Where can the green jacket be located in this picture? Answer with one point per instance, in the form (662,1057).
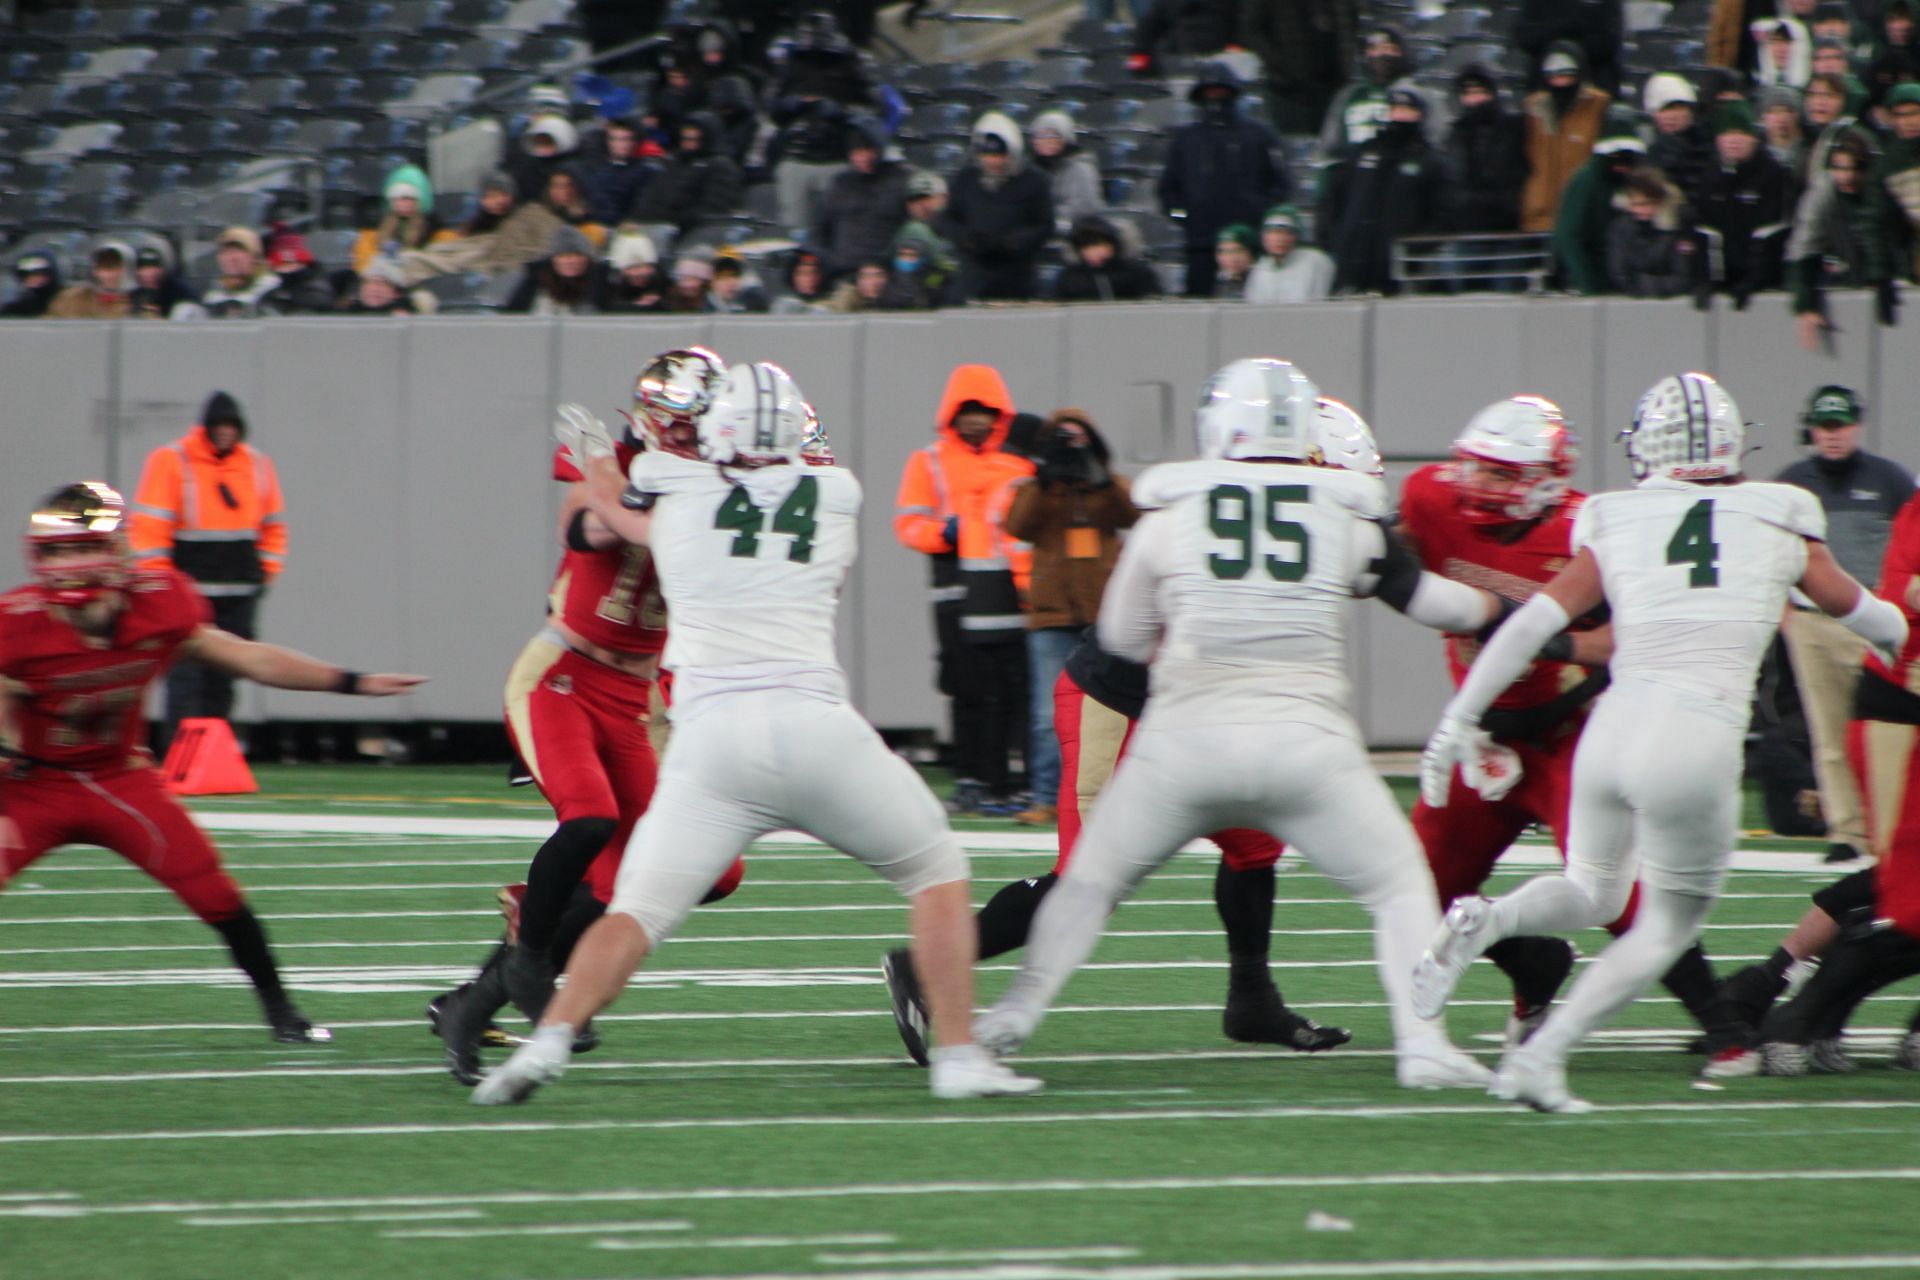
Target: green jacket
(1580,230)
(1845,246)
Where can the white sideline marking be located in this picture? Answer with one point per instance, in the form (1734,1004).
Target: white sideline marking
(36,1197)
(1010,1115)
(1024,1186)
(981,1255)
(542,1229)
(1362,1270)
(745,1242)
(420,1215)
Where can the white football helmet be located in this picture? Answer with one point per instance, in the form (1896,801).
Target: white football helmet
(1343,439)
(1686,428)
(758,417)
(669,396)
(1257,409)
(1514,460)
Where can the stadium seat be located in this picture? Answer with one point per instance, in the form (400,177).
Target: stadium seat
(38,101)
(112,64)
(339,93)
(181,60)
(90,101)
(77,140)
(271,93)
(151,95)
(183,21)
(323,134)
(536,15)
(437,91)
(158,174)
(210,93)
(235,208)
(483,53)
(299,19)
(94,176)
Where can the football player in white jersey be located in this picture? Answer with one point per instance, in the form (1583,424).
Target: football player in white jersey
(1696,565)
(1236,584)
(752,540)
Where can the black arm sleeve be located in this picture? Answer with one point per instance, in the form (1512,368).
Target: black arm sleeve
(1398,571)
(577,532)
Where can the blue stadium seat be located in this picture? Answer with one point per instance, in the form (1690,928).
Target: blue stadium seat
(180,60)
(271,93)
(182,21)
(249,59)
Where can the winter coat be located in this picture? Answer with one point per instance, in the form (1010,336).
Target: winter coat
(1799,55)
(1898,177)
(1075,175)
(860,214)
(1487,167)
(1580,232)
(1744,214)
(1839,241)
(1186,26)
(1000,225)
(939,260)
(1066,584)
(1393,186)
(1306,276)
(245,301)
(393,234)
(1122,278)
(1595,26)
(1655,258)
(87,301)
(1556,148)
(175,299)
(692,188)
(1222,170)
(612,187)
(1685,157)
(535,293)
(29,303)
(1306,45)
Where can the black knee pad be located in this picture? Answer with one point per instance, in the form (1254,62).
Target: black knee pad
(1847,896)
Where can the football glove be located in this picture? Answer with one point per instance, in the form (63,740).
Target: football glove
(1493,770)
(583,436)
(1455,741)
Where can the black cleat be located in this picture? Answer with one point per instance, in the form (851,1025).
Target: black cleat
(494,1037)
(462,1026)
(291,1027)
(529,976)
(909,1006)
(586,1039)
(1746,996)
(1844,851)
(1262,1017)
(1539,969)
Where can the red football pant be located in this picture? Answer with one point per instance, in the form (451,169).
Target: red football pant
(1886,760)
(1092,738)
(582,729)
(1464,840)
(132,814)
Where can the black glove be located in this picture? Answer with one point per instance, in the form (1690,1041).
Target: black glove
(1886,302)
(1741,296)
(1703,297)
(951,532)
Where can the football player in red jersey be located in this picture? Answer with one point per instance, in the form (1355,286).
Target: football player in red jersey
(579,710)
(79,647)
(1499,516)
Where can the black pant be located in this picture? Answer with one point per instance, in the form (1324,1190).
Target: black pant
(1201,270)
(196,689)
(1854,968)
(989,708)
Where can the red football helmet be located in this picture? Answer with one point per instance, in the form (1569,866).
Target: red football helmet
(669,396)
(1514,460)
(77,543)
(815,449)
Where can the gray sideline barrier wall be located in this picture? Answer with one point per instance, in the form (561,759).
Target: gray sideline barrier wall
(414,454)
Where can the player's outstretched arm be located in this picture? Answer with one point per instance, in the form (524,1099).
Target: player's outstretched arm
(1880,624)
(282,668)
(1396,579)
(580,529)
(1131,621)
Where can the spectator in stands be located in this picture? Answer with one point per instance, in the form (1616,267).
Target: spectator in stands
(566,198)
(1394,186)
(1830,57)
(37,277)
(927,227)
(634,281)
(1888,71)
(614,183)
(807,287)
(499,197)
(1220,170)
(1780,130)
(692,284)
(867,202)
(1745,209)
(303,285)
(1288,271)
(1682,148)
(503,236)
(697,185)
(716,43)
(245,283)
(1306,47)
(1593,26)
(1833,20)
(1596,194)
(107,293)
(1651,252)
(1899,173)
(1074,174)
(736,290)
(822,83)
(1898,36)
(1486,157)
(1099,268)
(1828,121)
(1840,240)
(1001,212)
(159,293)
(1360,110)
(865,289)
(548,142)
(677,92)
(406,219)
(564,284)
(1563,122)
(1234,250)
(1173,27)
(1784,54)
(380,292)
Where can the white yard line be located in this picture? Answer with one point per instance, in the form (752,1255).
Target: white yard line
(643,1244)
(269,1220)
(542,1229)
(1903,1263)
(1096,1251)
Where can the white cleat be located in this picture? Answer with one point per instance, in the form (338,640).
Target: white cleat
(1002,1030)
(1529,1078)
(966,1071)
(533,1064)
(1464,933)
(1443,1068)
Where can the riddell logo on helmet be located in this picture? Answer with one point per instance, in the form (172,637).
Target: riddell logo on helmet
(1709,472)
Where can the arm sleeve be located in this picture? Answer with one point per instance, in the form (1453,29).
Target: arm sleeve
(1508,655)
(1024,512)
(917,521)
(156,510)
(273,522)
(1877,622)
(1130,619)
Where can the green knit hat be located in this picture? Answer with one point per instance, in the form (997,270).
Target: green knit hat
(1735,117)
(1902,94)
(1241,234)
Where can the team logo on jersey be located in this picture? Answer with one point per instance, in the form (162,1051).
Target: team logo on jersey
(561,684)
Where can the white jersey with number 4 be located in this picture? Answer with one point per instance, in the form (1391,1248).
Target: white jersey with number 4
(1697,577)
(1236,586)
(751,564)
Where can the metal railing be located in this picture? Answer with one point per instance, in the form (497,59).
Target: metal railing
(1450,263)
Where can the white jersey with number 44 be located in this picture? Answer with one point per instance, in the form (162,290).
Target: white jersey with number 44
(751,563)
(1697,577)
(1236,586)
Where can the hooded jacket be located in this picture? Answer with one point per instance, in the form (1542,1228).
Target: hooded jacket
(1685,157)
(693,187)
(861,211)
(1744,212)
(1558,142)
(86,300)
(1393,186)
(219,520)
(1121,278)
(1587,212)
(1656,258)
(29,303)
(1057,512)
(1073,174)
(982,569)
(1221,169)
(1359,110)
(393,235)
(1799,57)
(1486,157)
(1001,224)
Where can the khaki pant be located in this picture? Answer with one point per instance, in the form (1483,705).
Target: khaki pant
(1826,665)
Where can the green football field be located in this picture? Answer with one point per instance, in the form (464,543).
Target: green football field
(751,1112)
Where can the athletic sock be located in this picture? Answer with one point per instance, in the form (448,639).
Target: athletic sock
(1244,900)
(1778,963)
(1007,919)
(553,873)
(1692,984)
(248,943)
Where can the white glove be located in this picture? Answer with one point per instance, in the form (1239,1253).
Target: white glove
(1492,770)
(1455,741)
(583,436)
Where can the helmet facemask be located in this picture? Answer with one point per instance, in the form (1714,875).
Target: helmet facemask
(669,396)
(1514,461)
(77,546)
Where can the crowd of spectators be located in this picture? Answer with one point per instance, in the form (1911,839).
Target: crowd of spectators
(1795,166)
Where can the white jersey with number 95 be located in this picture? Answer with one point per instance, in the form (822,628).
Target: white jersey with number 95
(1697,576)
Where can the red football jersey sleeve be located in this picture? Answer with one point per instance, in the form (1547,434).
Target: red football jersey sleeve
(1491,557)
(1897,570)
(611,598)
(78,704)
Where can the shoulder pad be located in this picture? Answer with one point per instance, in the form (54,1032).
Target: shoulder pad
(1363,495)
(1791,508)
(1167,483)
(659,473)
